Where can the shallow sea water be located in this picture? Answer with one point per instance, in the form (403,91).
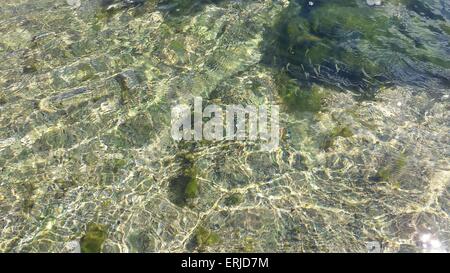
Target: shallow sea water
(87,162)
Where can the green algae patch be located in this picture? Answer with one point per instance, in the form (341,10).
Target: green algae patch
(233,200)
(185,186)
(391,171)
(299,98)
(350,45)
(92,241)
(137,130)
(309,40)
(2,99)
(182,188)
(384,174)
(446,28)
(338,131)
(343,131)
(117,164)
(179,49)
(204,237)
(191,190)
(248,245)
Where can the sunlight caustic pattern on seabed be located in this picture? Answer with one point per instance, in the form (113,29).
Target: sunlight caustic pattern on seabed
(87,162)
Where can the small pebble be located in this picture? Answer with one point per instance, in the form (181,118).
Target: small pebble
(73,247)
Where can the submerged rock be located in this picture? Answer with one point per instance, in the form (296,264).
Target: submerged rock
(184,188)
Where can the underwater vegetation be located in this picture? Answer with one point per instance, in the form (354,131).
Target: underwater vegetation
(233,200)
(298,97)
(94,238)
(185,186)
(389,171)
(339,131)
(204,237)
(351,45)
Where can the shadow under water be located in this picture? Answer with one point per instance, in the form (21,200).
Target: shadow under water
(352,45)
